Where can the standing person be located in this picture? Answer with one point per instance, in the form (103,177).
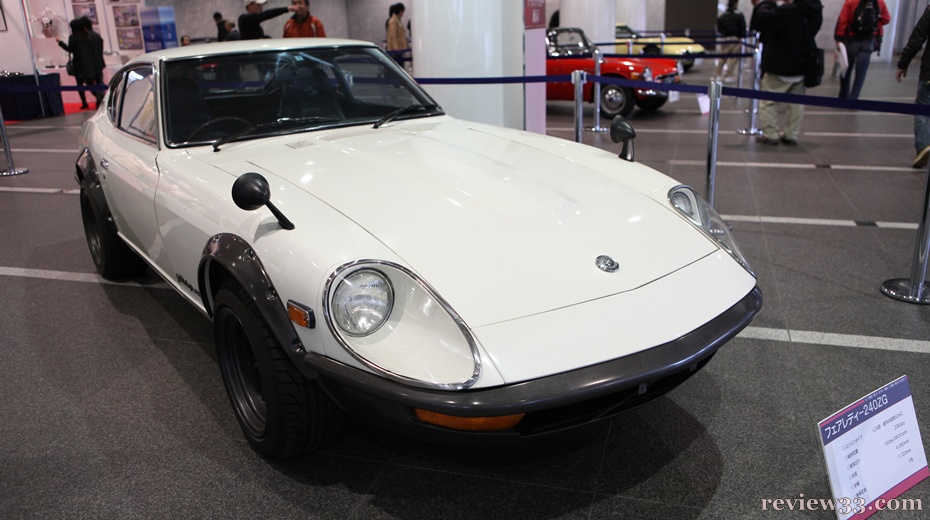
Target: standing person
(396,33)
(250,23)
(303,24)
(860,28)
(221,30)
(86,48)
(732,26)
(787,30)
(921,123)
(185,40)
(232,34)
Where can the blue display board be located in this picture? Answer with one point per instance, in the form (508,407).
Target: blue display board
(159,29)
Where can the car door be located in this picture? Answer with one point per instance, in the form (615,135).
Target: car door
(127,160)
(565,55)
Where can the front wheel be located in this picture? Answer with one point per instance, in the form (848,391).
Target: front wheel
(616,101)
(281,413)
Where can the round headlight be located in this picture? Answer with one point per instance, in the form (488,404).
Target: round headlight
(647,74)
(703,216)
(362,302)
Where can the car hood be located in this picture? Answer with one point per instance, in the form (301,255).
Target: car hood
(500,227)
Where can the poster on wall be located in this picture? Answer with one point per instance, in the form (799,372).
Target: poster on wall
(126,16)
(88,10)
(129,39)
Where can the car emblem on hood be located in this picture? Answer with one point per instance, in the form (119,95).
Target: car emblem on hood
(606,264)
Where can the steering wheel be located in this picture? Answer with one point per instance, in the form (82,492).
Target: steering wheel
(213,122)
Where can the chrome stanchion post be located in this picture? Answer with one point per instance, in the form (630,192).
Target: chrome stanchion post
(597,95)
(914,289)
(629,46)
(739,63)
(715,92)
(579,78)
(11,169)
(754,106)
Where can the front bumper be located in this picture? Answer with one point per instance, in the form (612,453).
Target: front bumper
(671,79)
(550,403)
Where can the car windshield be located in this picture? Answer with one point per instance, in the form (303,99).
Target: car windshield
(240,96)
(623,32)
(569,42)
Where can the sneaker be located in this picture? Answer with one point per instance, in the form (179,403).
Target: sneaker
(788,141)
(922,156)
(768,140)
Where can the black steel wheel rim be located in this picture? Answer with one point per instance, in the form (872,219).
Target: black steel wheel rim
(242,375)
(91,230)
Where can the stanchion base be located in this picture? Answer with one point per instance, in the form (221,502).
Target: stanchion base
(15,171)
(596,129)
(749,131)
(902,289)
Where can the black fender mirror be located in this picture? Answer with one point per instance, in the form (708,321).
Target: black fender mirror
(622,132)
(251,191)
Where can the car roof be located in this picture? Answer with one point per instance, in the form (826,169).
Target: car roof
(235,47)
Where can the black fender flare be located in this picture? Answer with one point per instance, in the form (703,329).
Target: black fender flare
(233,255)
(85,173)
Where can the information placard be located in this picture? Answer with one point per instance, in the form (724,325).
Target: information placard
(873,450)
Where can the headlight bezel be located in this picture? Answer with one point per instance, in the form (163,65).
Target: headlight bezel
(703,217)
(385,268)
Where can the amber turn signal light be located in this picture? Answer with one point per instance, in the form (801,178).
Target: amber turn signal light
(475,424)
(300,314)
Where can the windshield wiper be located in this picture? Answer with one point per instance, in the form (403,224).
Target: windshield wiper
(278,122)
(401,111)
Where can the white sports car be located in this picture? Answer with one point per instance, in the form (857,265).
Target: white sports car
(361,252)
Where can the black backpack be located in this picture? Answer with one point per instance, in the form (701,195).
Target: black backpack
(729,24)
(865,19)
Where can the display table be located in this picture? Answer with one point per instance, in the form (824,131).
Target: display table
(25,105)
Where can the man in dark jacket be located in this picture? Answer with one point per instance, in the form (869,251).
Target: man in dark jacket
(732,26)
(787,29)
(250,23)
(921,123)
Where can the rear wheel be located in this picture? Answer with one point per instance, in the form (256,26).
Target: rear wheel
(112,257)
(281,413)
(616,101)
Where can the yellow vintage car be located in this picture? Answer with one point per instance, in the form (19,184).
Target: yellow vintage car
(680,45)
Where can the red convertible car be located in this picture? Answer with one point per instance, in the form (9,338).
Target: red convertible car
(569,50)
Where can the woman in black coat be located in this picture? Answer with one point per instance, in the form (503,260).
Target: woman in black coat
(86,48)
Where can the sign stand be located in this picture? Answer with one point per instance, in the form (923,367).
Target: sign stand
(873,451)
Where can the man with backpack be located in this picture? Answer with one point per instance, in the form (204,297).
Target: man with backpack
(732,26)
(860,28)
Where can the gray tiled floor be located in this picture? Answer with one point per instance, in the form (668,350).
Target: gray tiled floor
(113,407)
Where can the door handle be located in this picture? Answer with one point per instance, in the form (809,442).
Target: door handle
(104,164)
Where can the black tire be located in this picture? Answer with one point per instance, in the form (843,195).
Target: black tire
(281,413)
(652,50)
(687,61)
(651,103)
(616,101)
(112,257)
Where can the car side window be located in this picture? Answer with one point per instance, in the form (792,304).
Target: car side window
(137,107)
(115,96)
